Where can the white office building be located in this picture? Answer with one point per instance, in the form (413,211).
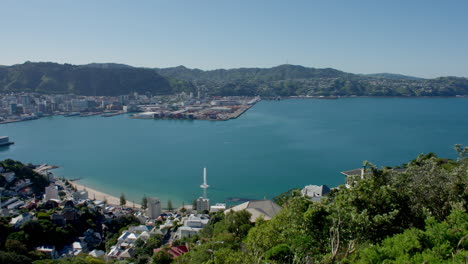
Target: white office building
(154,207)
(203,204)
(51,192)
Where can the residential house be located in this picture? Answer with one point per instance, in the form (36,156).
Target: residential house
(315,192)
(18,221)
(174,251)
(261,208)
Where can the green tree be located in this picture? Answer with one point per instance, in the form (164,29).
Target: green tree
(162,257)
(440,242)
(144,202)
(123,201)
(169,206)
(13,258)
(280,253)
(16,246)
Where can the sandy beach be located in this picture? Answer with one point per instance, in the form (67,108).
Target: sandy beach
(95,194)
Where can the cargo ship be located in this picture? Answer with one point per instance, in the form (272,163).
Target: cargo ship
(5,141)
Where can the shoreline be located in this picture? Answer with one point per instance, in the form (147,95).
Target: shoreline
(102,196)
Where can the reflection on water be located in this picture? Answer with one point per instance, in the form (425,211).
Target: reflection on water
(5,148)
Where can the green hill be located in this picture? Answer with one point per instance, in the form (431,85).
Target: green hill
(282,80)
(46,77)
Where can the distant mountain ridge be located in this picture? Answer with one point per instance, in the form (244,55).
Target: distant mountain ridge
(108,65)
(296,80)
(281,72)
(282,80)
(395,76)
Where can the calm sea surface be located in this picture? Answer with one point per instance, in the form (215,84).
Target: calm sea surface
(273,147)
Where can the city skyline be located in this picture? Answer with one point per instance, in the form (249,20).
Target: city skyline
(423,39)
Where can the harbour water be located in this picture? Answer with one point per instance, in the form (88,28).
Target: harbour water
(273,147)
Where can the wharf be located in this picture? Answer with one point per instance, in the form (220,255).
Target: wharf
(45,168)
(90,114)
(109,114)
(314,97)
(11,121)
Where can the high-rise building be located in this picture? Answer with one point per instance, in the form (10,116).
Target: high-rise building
(25,100)
(51,192)
(203,204)
(13,109)
(153,207)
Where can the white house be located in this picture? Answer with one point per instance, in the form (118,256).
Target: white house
(21,219)
(193,224)
(315,192)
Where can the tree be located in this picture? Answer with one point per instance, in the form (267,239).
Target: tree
(162,257)
(144,202)
(281,253)
(12,258)
(238,222)
(182,209)
(123,201)
(169,206)
(16,247)
(440,242)
(62,194)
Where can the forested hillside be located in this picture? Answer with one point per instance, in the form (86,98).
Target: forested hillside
(294,80)
(415,216)
(82,80)
(284,80)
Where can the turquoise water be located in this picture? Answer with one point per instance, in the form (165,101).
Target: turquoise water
(273,147)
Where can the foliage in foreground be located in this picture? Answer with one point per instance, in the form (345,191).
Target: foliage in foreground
(398,217)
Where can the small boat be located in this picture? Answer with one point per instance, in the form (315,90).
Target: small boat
(5,141)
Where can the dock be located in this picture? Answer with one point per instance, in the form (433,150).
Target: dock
(109,114)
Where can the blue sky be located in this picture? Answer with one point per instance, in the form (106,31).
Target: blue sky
(421,38)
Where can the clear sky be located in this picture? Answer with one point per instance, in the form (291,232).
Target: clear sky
(422,38)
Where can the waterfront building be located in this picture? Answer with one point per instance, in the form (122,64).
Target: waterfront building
(203,204)
(80,195)
(51,192)
(154,207)
(13,109)
(25,100)
(315,192)
(79,105)
(217,207)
